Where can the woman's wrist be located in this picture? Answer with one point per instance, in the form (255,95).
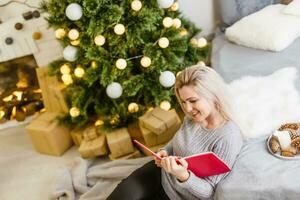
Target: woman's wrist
(184,177)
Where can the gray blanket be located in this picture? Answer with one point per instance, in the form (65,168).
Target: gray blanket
(259,175)
(91,180)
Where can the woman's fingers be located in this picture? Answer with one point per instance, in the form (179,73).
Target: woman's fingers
(183,162)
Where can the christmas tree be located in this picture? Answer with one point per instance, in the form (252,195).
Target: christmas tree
(121,57)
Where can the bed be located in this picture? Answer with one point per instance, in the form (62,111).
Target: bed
(257,174)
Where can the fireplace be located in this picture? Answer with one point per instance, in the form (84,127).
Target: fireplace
(20,95)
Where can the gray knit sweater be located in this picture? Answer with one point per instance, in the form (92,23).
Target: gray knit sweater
(190,139)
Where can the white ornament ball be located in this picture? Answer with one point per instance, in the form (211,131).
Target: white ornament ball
(136,5)
(167,79)
(121,63)
(145,61)
(163,42)
(201,42)
(70,53)
(175,6)
(165,3)
(73,34)
(167,22)
(74,11)
(119,29)
(99,40)
(114,90)
(165,105)
(176,23)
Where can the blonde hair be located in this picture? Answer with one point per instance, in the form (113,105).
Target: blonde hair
(211,86)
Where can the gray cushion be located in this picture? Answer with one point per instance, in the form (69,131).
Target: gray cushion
(233,10)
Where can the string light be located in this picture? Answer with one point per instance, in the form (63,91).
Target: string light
(163,42)
(136,5)
(167,22)
(79,72)
(73,34)
(74,112)
(121,63)
(133,107)
(119,29)
(145,61)
(165,105)
(60,33)
(65,69)
(99,40)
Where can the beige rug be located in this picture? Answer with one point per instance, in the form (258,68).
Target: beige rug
(24,173)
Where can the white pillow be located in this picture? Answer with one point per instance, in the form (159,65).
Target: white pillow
(267,29)
(292,8)
(266,102)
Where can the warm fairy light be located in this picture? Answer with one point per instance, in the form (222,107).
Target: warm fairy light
(183,32)
(174,6)
(165,105)
(73,34)
(65,69)
(163,42)
(67,79)
(99,40)
(133,107)
(119,29)
(60,33)
(99,122)
(176,23)
(167,22)
(136,5)
(194,42)
(145,61)
(121,63)
(75,42)
(79,72)
(201,42)
(74,112)
(94,64)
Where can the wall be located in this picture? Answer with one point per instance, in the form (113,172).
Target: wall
(201,12)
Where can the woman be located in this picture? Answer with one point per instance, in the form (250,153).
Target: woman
(209,125)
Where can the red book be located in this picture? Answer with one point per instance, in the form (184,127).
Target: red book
(202,165)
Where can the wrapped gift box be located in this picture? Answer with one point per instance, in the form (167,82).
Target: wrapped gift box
(45,83)
(158,120)
(152,139)
(92,148)
(135,154)
(134,130)
(90,133)
(77,136)
(48,136)
(119,142)
(57,95)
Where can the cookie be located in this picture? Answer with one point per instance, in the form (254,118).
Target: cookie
(274,144)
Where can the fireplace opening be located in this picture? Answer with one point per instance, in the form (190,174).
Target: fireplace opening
(20,95)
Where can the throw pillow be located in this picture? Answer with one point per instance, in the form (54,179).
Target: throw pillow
(233,10)
(292,9)
(267,29)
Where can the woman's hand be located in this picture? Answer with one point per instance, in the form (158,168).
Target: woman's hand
(180,171)
(162,154)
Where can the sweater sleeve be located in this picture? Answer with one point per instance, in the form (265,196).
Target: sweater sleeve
(227,148)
